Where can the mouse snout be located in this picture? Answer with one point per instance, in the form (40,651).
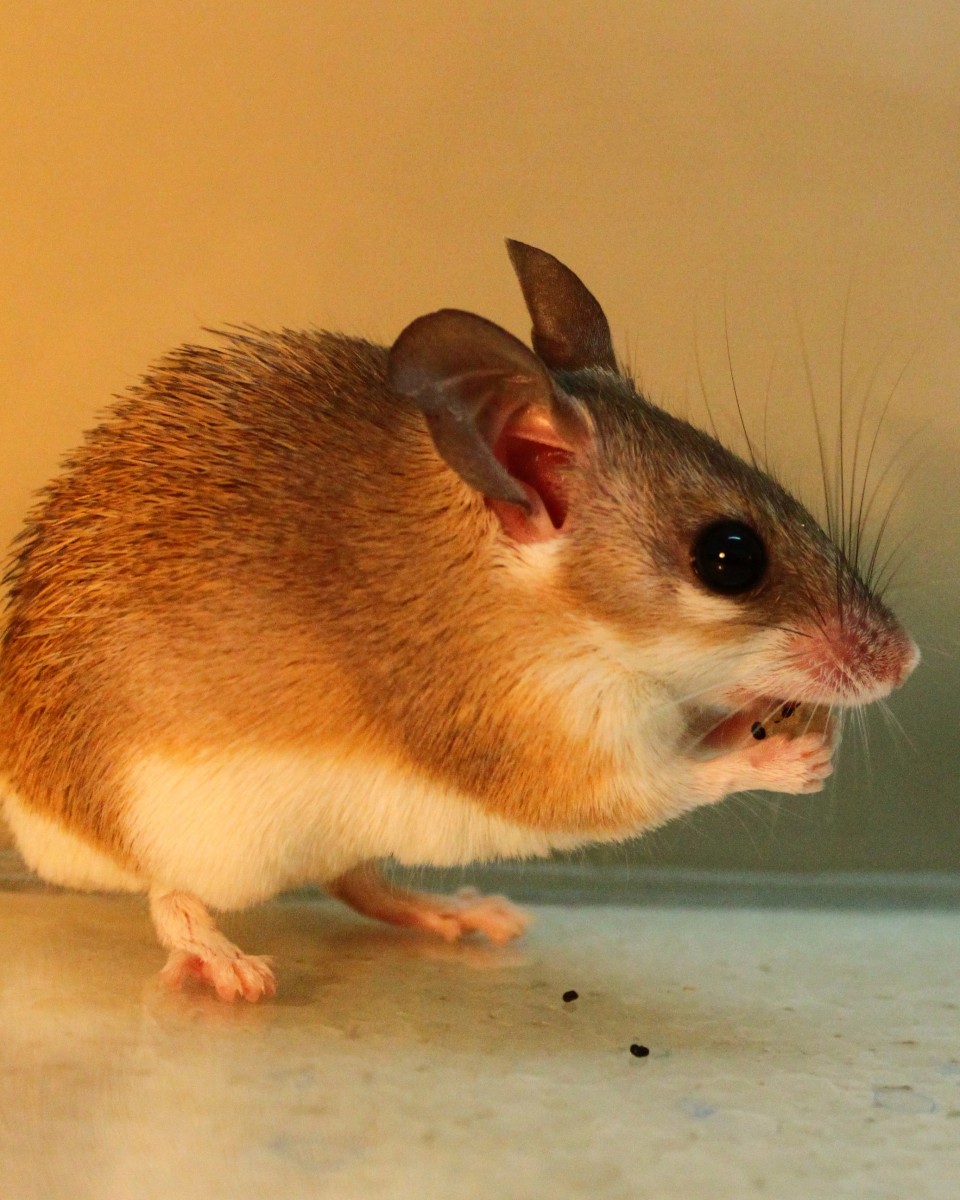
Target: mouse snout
(858,659)
(910,661)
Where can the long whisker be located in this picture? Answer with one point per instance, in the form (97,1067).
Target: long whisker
(894,723)
(766,413)
(949,655)
(887,570)
(680,701)
(861,719)
(778,628)
(744,825)
(878,540)
(841,474)
(733,384)
(827,500)
(703,386)
(814,601)
(855,530)
(862,515)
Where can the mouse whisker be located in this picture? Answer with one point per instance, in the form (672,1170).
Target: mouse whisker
(909,474)
(766,414)
(843,530)
(688,698)
(703,385)
(830,512)
(856,485)
(865,742)
(863,508)
(733,384)
(780,628)
(895,725)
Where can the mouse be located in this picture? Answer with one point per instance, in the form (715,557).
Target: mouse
(301,605)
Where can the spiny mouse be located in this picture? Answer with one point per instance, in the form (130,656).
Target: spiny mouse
(301,603)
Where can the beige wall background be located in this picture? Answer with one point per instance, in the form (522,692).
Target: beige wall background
(785,171)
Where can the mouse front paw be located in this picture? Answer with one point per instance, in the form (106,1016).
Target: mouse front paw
(794,765)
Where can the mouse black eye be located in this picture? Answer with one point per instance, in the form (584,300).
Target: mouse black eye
(729,557)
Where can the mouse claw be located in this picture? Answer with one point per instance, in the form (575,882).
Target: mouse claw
(245,975)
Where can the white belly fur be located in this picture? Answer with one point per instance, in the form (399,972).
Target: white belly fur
(61,857)
(236,829)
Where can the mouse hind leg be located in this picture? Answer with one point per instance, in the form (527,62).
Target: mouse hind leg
(450,917)
(198,949)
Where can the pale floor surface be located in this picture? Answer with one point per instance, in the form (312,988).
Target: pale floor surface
(792,1054)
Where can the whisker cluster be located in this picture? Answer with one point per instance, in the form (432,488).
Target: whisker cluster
(860,491)
(855,491)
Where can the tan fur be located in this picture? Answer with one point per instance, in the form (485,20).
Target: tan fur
(261,549)
(259,561)
(174,597)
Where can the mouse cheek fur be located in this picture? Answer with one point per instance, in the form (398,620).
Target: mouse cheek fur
(647,708)
(735,677)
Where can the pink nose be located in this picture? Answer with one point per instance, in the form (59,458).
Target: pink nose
(890,657)
(911,657)
(860,658)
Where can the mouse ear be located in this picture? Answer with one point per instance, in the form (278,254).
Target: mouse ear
(570,331)
(494,414)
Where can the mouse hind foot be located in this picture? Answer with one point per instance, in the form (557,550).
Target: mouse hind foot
(449,917)
(199,950)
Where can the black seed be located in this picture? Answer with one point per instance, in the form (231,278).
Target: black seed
(571,995)
(758,731)
(639,1051)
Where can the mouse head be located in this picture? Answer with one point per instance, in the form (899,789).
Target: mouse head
(691,562)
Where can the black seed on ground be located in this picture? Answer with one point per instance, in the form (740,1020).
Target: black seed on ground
(639,1051)
(571,995)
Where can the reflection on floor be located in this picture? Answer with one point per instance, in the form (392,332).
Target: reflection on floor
(792,1054)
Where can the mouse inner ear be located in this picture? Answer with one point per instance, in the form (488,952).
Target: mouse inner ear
(570,331)
(494,415)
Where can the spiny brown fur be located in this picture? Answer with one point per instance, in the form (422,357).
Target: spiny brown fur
(259,547)
(196,579)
